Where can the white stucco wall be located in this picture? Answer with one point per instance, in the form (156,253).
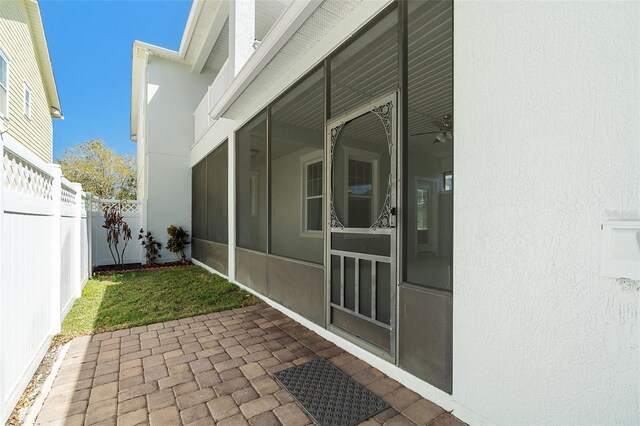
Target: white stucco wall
(173,93)
(547,145)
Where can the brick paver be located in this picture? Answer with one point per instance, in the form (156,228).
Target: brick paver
(214,369)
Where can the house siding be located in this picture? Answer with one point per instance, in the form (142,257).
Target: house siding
(17,44)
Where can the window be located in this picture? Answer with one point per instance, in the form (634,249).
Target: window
(26,108)
(312,208)
(448,181)
(4,86)
(360,193)
(422,200)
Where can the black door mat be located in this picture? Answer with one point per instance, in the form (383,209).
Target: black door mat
(331,397)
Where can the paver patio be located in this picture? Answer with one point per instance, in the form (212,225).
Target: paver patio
(207,370)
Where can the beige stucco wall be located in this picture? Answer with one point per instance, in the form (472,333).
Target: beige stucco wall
(17,45)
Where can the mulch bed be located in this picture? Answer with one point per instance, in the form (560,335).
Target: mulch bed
(133,267)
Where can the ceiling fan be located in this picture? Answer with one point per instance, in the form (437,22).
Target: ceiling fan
(445,134)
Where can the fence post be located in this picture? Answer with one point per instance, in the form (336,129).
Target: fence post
(90,232)
(56,258)
(77,244)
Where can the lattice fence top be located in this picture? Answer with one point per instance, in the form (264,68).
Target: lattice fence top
(23,178)
(68,197)
(127,206)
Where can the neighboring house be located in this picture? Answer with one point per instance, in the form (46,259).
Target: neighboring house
(308,147)
(167,87)
(28,94)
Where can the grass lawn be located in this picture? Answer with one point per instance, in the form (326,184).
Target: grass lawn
(138,298)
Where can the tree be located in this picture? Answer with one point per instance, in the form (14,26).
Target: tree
(100,170)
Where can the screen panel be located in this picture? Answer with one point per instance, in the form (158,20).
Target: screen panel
(251,184)
(217,195)
(296,146)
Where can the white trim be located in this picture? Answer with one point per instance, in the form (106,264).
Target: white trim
(305,161)
(44,60)
(444,182)
(5,115)
(26,106)
(435,197)
(405,378)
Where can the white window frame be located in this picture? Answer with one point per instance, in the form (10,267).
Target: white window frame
(444,181)
(26,106)
(305,161)
(6,106)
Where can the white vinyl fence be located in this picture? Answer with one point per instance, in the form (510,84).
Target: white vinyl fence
(51,236)
(131,210)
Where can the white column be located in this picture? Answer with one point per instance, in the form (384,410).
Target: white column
(77,241)
(56,192)
(242,32)
(231,181)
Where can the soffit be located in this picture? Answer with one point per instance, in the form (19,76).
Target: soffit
(314,29)
(220,51)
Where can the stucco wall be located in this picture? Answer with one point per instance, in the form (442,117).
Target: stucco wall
(17,45)
(547,144)
(173,93)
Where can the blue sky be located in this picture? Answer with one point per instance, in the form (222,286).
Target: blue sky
(90,46)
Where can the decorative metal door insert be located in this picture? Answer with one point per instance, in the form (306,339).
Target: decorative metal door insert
(361,182)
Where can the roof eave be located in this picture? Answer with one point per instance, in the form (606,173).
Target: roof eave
(44,59)
(192,20)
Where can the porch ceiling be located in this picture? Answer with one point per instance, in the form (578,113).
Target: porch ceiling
(430,77)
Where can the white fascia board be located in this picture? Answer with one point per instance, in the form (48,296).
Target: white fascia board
(39,38)
(158,51)
(192,20)
(215,28)
(290,21)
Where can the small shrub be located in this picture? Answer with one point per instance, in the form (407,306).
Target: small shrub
(151,246)
(117,230)
(178,239)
